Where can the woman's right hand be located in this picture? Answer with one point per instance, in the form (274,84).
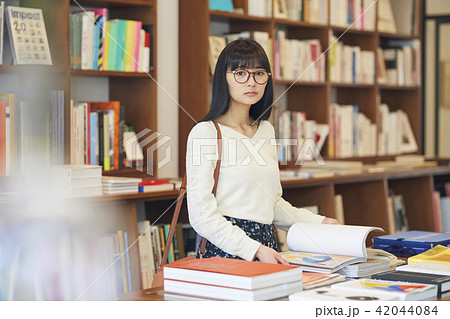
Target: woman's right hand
(269,255)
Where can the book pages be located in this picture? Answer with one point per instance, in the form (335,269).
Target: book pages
(329,239)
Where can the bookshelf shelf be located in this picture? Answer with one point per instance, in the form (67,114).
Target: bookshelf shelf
(398,87)
(300,83)
(111,73)
(231,16)
(351,31)
(114,3)
(352,85)
(300,24)
(397,36)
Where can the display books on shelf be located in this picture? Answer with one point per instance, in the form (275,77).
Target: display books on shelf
(427,268)
(441,281)
(402,290)
(312,248)
(155,185)
(28,37)
(329,294)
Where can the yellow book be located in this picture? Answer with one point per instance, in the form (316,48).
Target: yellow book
(122,260)
(130,26)
(438,254)
(106,158)
(106,46)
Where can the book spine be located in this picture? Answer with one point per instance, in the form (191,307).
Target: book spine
(127,260)
(123,261)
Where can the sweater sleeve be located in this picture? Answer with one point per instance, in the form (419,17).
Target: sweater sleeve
(204,217)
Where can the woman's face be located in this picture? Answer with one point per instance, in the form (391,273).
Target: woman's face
(247,93)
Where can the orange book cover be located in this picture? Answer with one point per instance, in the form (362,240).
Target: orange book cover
(115,106)
(230,266)
(231,273)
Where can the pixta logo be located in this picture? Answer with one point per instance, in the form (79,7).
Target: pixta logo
(140,141)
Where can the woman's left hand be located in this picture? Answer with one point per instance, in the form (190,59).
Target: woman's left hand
(332,221)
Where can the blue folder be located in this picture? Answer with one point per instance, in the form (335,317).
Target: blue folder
(410,243)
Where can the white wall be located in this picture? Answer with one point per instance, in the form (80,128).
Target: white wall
(437,7)
(167,59)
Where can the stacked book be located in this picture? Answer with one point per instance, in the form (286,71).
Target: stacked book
(230,279)
(76,180)
(120,185)
(369,290)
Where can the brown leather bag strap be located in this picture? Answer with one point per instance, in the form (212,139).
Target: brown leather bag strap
(181,194)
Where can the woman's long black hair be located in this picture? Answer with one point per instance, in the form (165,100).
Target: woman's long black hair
(242,53)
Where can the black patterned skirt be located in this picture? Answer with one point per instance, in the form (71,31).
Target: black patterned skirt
(262,233)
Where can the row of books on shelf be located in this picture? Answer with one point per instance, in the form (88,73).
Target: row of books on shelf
(297,135)
(316,261)
(350,133)
(393,16)
(350,64)
(152,240)
(361,14)
(298,59)
(399,63)
(218,42)
(30,134)
(98,43)
(47,264)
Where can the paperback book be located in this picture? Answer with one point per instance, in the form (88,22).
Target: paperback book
(329,294)
(326,248)
(402,290)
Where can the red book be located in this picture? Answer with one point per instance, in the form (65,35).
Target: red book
(233,273)
(146,182)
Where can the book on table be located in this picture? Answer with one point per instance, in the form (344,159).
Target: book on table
(326,248)
(314,279)
(402,290)
(411,242)
(328,294)
(373,265)
(442,282)
(427,268)
(438,255)
(231,279)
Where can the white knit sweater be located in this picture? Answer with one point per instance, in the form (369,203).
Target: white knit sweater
(248,187)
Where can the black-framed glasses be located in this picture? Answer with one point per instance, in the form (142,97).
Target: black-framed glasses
(241,76)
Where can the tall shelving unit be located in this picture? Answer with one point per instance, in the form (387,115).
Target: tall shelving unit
(314,98)
(135,90)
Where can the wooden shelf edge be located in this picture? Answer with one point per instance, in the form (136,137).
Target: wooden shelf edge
(398,87)
(397,36)
(299,83)
(303,24)
(216,14)
(353,30)
(117,3)
(111,73)
(352,85)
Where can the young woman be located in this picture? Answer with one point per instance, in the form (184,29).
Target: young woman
(238,221)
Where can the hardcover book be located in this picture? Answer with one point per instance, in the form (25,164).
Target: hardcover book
(442,282)
(410,243)
(232,273)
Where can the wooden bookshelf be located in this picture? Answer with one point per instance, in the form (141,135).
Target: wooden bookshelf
(136,91)
(313,98)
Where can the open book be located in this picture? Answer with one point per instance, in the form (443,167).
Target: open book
(326,248)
